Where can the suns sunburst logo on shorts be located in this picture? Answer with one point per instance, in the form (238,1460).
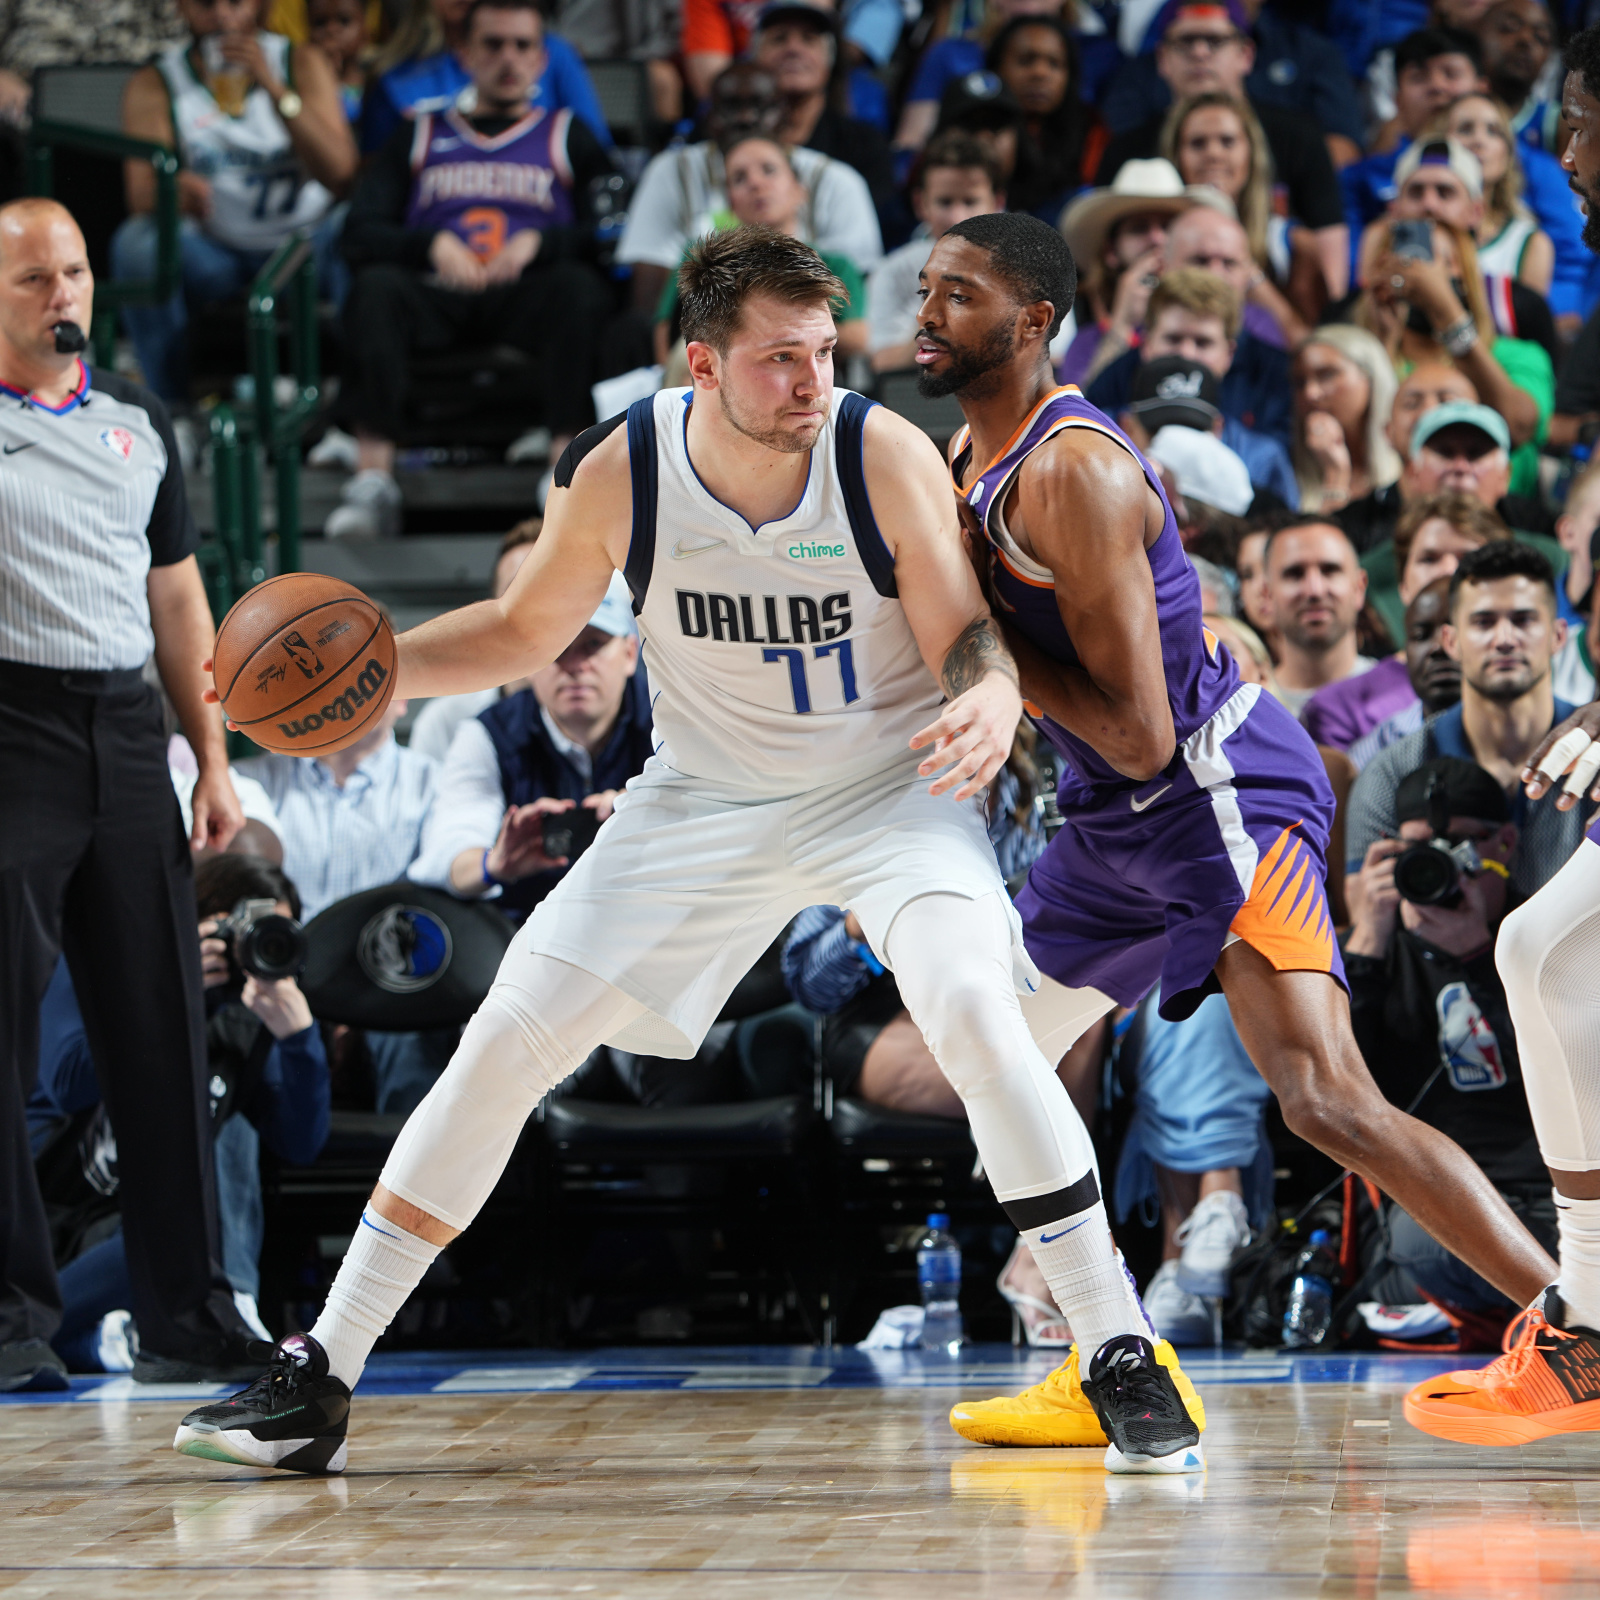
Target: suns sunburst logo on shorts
(118,441)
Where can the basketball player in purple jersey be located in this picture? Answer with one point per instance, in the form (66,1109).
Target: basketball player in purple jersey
(1548,953)
(1197,810)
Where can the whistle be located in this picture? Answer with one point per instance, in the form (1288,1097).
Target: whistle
(70,338)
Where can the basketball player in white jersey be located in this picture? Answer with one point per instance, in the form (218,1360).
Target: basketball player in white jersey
(1548,953)
(803,594)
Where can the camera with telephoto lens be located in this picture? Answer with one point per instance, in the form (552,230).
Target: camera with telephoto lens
(261,941)
(1429,872)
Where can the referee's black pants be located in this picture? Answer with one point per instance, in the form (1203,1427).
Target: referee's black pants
(93,861)
(556,313)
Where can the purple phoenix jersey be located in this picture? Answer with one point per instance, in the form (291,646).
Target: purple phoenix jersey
(484,189)
(1151,881)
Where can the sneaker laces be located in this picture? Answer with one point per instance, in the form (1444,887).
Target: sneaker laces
(1206,1220)
(282,1374)
(1141,1385)
(1521,1346)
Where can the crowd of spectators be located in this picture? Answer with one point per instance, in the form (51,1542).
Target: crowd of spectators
(1332,280)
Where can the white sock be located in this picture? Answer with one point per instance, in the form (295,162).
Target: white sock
(1579,1282)
(1088,1280)
(380,1269)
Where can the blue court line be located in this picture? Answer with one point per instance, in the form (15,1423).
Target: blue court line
(983,1368)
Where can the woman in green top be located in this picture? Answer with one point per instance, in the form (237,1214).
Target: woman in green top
(1435,310)
(764,190)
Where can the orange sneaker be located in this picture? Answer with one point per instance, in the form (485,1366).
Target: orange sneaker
(1547,1382)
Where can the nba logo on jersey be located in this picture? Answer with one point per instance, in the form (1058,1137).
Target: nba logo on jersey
(118,441)
(1467,1044)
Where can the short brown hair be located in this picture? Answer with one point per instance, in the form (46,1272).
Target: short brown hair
(724,270)
(1201,294)
(957,149)
(1470,517)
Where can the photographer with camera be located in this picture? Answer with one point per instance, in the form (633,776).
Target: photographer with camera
(1503,628)
(268,1081)
(1429,1009)
(528,782)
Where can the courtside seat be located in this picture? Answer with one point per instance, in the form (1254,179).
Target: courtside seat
(593,1128)
(860,1126)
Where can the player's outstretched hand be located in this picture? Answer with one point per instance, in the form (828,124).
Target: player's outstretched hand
(1571,748)
(973,736)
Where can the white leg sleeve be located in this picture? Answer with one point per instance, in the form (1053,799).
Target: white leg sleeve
(1548,954)
(1058,1017)
(535,1029)
(952,962)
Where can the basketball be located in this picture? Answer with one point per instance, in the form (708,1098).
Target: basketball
(304,664)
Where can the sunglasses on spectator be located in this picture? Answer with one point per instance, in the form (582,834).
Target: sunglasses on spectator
(1193,44)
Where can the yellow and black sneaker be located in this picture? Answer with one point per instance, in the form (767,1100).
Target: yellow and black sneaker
(1057,1411)
(294,1416)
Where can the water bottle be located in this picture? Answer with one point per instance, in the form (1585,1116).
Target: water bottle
(1307,1317)
(939,1276)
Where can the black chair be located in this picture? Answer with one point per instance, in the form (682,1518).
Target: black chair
(888,1170)
(939,419)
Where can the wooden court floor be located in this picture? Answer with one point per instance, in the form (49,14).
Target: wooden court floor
(1315,1489)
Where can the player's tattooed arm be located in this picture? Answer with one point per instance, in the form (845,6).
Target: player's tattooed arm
(978,651)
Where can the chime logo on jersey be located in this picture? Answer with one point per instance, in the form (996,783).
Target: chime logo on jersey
(118,441)
(739,619)
(800,550)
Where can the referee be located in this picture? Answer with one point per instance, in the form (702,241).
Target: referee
(97,569)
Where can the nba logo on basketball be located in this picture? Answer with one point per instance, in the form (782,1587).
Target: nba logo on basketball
(302,654)
(118,441)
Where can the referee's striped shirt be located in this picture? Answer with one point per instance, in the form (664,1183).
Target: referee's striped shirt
(91,497)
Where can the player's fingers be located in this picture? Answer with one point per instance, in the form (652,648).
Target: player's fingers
(1582,774)
(211,697)
(1557,759)
(953,749)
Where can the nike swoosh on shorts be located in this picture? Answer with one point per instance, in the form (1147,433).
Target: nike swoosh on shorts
(1135,804)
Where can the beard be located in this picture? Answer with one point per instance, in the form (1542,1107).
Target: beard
(1591,223)
(969,367)
(766,430)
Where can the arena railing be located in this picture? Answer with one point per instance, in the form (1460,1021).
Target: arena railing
(45,137)
(289,278)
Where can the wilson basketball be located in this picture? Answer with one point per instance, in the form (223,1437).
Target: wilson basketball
(304,664)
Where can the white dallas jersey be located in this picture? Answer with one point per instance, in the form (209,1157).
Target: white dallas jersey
(259,191)
(779,657)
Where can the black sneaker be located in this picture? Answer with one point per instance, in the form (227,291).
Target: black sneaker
(30,1365)
(293,1416)
(1141,1410)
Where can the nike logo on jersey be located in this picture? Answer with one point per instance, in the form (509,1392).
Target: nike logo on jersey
(12,449)
(1135,804)
(733,618)
(682,551)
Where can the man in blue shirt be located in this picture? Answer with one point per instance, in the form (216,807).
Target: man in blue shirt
(432,83)
(1432,67)
(1195,315)
(1505,631)
(1294,67)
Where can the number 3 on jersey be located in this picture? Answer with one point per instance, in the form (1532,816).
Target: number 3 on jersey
(795,660)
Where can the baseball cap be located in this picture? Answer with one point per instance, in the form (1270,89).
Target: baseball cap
(1230,11)
(1139,188)
(1205,468)
(1175,392)
(978,100)
(1467,790)
(1454,412)
(1440,153)
(798,11)
(614,614)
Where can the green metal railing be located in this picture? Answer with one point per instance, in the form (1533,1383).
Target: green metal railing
(44,139)
(289,275)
